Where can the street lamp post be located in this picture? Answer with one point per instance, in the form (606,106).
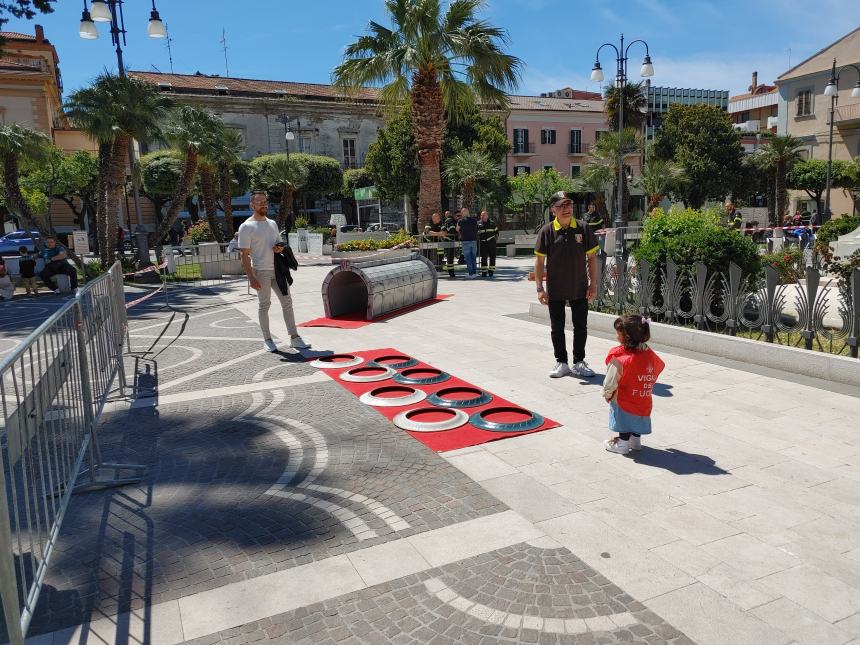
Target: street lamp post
(111,11)
(289,135)
(832,90)
(646,70)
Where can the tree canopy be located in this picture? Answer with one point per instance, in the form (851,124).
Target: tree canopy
(701,139)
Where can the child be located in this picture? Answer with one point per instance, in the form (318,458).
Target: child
(7,287)
(27,266)
(632,370)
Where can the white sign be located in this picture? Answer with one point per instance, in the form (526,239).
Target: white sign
(81,242)
(315,243)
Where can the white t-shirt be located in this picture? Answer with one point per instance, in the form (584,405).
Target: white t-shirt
(260,236)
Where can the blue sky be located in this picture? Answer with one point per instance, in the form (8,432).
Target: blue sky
(694,43)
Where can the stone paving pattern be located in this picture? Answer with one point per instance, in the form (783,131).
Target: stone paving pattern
(203,519)
(537,595)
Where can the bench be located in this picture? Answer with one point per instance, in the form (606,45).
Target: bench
(521,242)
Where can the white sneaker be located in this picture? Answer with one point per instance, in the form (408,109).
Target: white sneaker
(296,342)
(582,369)
(617,445)
(560,369)
(635,443)
(270,345)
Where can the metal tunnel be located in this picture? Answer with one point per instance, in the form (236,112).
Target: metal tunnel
(377,287)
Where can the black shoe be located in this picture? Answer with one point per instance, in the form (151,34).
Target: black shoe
(483,274)
(451,274)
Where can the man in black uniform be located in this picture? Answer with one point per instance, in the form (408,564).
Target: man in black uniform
(488,233)
(595,222)
(450,228)
(568,250)
(433,232)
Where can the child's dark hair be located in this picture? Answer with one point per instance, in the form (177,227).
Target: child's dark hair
(635,330)
(22,250)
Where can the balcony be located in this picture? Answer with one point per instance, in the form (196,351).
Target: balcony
(523,149)
(847,115)
(578,148)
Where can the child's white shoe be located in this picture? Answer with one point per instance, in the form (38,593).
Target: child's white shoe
(617,445)
(635,443)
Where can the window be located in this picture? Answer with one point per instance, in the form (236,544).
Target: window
(522,170)
(575,142)
(745,116)
(599,134)
(548,166)
(349,158)
(547,136)
(521,140)
(804,103)
(306,144)
(574,171)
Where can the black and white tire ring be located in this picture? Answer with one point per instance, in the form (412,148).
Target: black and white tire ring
(439,398)
(409,396)
(331,362)
(355,374)
(404,420)
(404,377)
(479,421)
(405,362)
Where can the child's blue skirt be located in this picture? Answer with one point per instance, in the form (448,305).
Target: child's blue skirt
(621,421)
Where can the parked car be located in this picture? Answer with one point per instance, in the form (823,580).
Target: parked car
(11,242)
(350,228)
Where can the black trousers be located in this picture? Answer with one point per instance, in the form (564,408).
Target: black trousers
(488,252)
(57,268)
(579,308)
(449,261)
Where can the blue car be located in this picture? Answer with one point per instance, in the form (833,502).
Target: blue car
(11,242)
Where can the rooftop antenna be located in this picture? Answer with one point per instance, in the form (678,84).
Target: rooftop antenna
(169,40)
(223,42)
(789,58)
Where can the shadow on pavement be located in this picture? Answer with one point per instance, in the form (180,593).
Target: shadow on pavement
(676,461)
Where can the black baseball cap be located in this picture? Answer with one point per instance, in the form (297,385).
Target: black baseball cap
(560,196)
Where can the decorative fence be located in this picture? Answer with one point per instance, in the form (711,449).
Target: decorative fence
(53,389)
(815,313)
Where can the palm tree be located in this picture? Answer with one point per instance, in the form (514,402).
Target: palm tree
(190,131)
(285,176)
(439,63)
(594,179)
(18,143)
(232,145)
(113,111)
(605,152)
(210,153)
(635,103)
(467,170)
(780,153)
(660,177)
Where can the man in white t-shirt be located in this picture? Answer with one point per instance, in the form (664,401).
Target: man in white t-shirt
(259,240)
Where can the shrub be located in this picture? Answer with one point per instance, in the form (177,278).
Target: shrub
(788,263)
(393,240)
(844,267)
(301,222)
(200,233)
(689,236)
(832,230)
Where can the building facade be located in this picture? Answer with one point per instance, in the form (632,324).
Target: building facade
(754,113)
(804,112)
(660,99)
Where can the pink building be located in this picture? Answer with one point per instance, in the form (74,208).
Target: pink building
(549,132)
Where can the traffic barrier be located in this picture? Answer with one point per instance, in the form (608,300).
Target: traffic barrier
(53,389)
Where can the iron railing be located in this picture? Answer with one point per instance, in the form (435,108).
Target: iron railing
(816,312)
(53,389)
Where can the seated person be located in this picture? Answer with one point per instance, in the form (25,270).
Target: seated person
(56,263)
(7,287)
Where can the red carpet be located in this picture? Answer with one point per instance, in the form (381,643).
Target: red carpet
(356,320)
(462,437)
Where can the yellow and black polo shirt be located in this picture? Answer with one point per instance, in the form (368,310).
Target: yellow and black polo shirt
(566,250)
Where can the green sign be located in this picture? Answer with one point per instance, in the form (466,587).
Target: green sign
(368,192)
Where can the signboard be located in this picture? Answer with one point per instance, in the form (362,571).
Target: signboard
(315,243)
(81,242)
(368,192)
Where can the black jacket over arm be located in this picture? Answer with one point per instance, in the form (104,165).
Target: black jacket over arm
(284,261)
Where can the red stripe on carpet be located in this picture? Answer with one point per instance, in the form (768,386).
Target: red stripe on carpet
(356,320)
(462,437)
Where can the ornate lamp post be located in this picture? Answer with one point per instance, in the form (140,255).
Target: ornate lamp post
(645,71)
(832,90)
(111,11)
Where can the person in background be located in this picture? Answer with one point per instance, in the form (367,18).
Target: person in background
(488,233)
(733,217)
(56,263)
(467,227)
(631,372)
(233,245)
(7,287)
(27,266)
(434,232)
(595,222)
(449,225)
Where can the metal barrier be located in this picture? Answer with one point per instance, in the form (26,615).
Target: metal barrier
(53,389)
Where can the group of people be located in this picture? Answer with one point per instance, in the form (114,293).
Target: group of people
(56,261)
(566,260)
(478,237)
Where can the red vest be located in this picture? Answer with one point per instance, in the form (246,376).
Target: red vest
(640,369)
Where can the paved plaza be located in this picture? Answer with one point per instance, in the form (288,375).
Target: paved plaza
(278,508)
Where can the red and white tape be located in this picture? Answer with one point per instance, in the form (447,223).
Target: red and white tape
(147,269)
(131,304)
(604,231)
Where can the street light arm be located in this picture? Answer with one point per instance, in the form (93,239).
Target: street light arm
(633,42)
(843,68)
(597,55)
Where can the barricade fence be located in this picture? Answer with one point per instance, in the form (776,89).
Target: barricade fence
(53,388)
(814,312)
